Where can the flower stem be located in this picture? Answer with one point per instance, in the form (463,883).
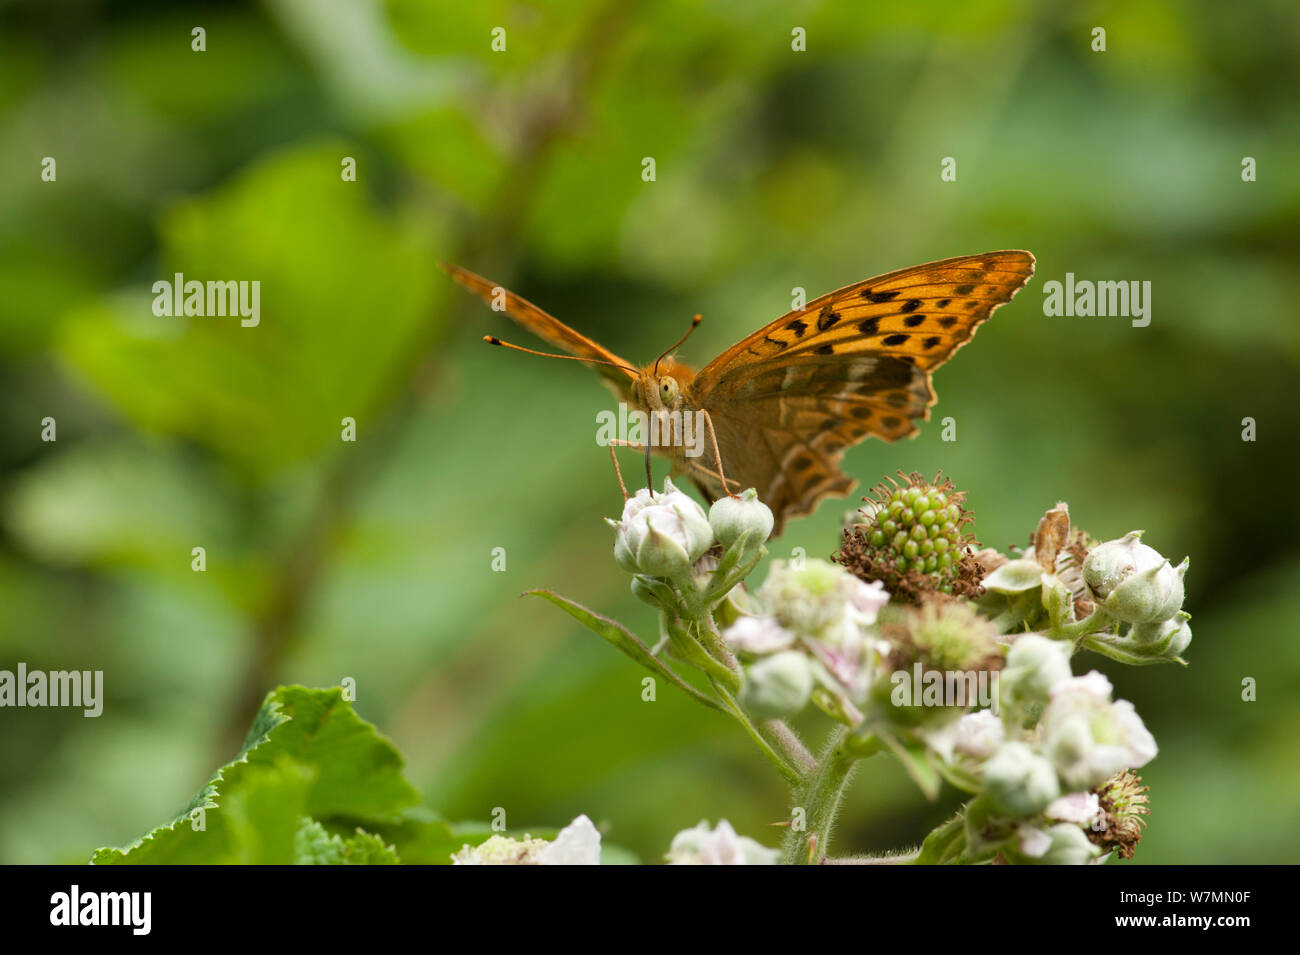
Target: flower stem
(1096,622)
(791,774)
(819,797)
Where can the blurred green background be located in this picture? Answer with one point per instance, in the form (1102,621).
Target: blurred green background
(775,169)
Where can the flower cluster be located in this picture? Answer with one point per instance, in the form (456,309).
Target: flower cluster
(955,660)
(814,630)
(1041,768)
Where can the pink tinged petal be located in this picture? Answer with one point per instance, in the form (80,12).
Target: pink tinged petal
(577,844)
(1080,808)
(758,635)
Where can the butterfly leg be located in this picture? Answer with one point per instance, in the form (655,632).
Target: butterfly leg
(617,473)
(621,443)
(717,456)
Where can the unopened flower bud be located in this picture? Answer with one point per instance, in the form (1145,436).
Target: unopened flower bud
(1162,642)
(778,685)
(730,517)
(1134,582)
(1034,665)
(1061,844)
(1168,638)
(1019,781)
(661,535)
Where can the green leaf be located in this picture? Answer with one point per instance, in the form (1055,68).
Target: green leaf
(916,760)
(625,640)
(307,755)
(313,845)
(943,841)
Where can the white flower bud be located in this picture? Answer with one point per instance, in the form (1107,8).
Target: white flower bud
(1061,844)
(661,535)
(777,686)
(978,734)
(1088,737)
(1019,781)
(1134,582)
(730,517)
(720,846)
(1168,638)
(1034,665)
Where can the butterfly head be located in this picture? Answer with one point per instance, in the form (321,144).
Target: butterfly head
(662,386)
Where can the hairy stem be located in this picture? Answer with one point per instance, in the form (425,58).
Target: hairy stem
(819,798)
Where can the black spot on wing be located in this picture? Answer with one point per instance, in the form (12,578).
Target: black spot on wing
(878,297)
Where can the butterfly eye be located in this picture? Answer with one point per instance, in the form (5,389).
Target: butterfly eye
(668,388)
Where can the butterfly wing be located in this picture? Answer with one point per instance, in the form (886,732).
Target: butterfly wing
(548,327)
(787,401)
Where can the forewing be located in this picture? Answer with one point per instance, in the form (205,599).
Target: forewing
(787,401)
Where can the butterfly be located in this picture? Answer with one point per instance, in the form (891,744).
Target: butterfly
(785,403)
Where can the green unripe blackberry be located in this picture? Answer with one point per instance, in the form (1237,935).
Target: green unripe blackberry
(911,535)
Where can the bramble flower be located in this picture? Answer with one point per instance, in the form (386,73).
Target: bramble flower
(720,846)
(661,535)
(578,843)
(1082,809)
(758,635)
(1019,781)
(943,635)
(820,610)
(976,735)
(1090,738)
(818,597)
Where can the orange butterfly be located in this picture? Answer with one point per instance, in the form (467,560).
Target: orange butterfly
(783,404)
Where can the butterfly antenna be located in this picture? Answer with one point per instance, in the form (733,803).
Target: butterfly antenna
(493,340)
(695,323)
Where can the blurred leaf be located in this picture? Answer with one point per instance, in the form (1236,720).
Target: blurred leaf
(342,293)
(307,754)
